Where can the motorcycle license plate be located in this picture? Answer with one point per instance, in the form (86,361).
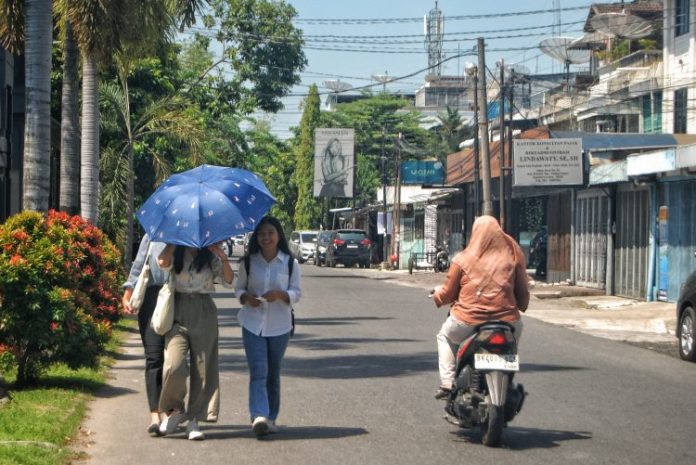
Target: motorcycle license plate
(508,362)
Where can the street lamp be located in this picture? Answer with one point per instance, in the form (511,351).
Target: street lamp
(471,71)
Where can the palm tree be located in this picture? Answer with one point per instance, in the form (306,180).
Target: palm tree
(451,127)
(31,22)
(96,26)
(69,128)
(172,118)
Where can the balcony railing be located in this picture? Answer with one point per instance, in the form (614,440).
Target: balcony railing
(640,58)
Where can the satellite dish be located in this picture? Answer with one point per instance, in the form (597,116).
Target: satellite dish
(337,85)
(384,79)
(559,49)
(622,25)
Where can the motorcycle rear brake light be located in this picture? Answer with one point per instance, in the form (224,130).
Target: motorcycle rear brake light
(497,339)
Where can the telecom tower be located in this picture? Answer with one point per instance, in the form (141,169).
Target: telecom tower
(434,24)
(556,29)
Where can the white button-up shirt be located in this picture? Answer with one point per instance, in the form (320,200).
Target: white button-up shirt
(270,318)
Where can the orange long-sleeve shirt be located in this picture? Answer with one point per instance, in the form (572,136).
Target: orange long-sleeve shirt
(473,307)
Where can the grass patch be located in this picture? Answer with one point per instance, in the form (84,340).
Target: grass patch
(39,424)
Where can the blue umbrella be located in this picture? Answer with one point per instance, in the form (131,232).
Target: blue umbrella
(205,205)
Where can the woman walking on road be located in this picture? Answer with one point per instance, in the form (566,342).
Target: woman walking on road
(153,343)
(486,281)
(267,286)
(195,331)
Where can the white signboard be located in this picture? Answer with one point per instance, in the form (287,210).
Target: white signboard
(334,162)
(547,162)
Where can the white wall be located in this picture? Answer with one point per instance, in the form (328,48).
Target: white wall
(679,56)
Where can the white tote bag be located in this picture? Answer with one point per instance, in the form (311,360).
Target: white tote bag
(138,296)
(163,316)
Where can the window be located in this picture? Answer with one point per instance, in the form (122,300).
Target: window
(681,17)
(680,104)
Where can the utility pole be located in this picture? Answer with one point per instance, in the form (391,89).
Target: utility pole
(511,92)
(477,153)
(472,72)
(396,243)
(384,197)
(483,130)
(501,145)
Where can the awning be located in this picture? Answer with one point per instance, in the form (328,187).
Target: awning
(607,142)
(608,173)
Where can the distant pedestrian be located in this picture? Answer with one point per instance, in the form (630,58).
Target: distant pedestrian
(194,333)
(267,291)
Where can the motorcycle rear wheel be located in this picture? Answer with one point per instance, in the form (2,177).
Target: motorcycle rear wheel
(492,428)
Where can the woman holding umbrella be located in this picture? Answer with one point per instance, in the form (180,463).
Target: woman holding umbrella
(267,286)
(195,330)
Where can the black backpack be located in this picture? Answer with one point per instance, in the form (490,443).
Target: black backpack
(291,263)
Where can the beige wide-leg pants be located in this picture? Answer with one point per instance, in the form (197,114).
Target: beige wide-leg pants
(452,333)
(194,335)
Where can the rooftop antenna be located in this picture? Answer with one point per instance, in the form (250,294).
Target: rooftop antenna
(560,49)
(434,28)
(337,86)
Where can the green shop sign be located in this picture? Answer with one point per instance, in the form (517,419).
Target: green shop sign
(422,172)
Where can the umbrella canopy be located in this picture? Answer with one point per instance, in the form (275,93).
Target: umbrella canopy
(205,205)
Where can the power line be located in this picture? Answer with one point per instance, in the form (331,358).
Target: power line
(353,21)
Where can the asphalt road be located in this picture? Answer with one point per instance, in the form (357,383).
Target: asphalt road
(357,389)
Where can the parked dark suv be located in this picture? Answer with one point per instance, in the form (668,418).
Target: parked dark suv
(686,319)
(349,246)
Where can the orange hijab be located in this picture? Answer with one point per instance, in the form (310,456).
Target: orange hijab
(489,258)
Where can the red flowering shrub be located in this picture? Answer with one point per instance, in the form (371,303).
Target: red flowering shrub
(59,291)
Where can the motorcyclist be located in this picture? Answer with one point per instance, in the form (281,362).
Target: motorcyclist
(486,281)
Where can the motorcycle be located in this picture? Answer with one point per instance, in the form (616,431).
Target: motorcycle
(441,259)
(483,395)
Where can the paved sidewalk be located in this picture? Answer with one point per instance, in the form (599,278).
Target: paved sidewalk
(580,308)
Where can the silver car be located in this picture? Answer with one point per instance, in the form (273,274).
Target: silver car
(302,245)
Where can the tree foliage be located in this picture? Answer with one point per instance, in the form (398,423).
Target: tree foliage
(378,120)
(273,160)
(262,48)
(307,210)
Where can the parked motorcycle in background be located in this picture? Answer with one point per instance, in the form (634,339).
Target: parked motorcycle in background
(441,259)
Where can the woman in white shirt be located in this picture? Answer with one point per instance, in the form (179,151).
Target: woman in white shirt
(267,293)
(195,330)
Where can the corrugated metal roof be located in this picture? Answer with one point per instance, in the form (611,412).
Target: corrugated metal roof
(605,141)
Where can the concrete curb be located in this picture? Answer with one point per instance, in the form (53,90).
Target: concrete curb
(583,309)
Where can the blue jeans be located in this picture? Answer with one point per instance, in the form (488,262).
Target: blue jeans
(264,355)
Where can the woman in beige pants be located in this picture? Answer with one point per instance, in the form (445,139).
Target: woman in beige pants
(194,334)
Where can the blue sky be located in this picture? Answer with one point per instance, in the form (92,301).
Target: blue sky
(405,18)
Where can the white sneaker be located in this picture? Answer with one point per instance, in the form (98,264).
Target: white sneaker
(194,433)
(272,427)
(260,426)
(170,422)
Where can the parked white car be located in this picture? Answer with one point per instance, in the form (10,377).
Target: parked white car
(302,244)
